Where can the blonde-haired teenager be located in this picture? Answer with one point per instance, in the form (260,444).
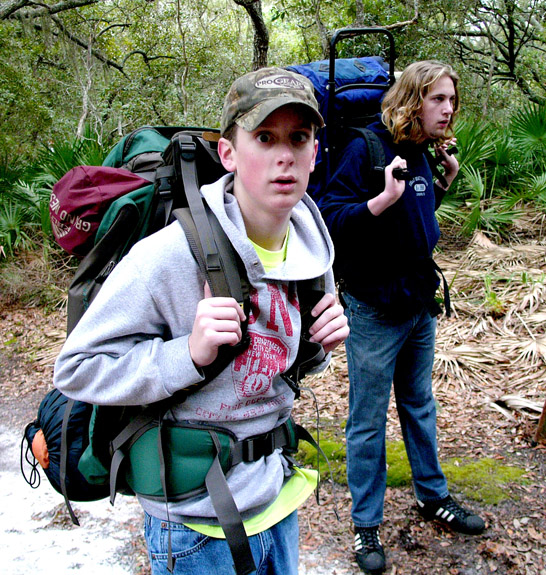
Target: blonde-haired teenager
(384,237)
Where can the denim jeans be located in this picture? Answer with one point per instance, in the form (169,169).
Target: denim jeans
(380,352)
(275,550)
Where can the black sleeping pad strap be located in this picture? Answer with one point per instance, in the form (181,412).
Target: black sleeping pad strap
(64,458)
(310,354)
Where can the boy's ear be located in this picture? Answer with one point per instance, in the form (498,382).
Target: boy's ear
(312,168)
(226,151)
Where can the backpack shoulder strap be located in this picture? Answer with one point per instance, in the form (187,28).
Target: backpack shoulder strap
(433,163)
(376,161)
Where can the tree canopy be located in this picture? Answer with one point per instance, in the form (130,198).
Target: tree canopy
(117,64)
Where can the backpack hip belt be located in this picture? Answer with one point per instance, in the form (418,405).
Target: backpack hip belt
(187,453)
(195,459)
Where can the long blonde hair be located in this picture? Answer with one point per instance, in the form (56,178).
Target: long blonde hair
(403,103)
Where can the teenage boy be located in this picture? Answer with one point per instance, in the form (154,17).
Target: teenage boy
(389,293)
(154,326)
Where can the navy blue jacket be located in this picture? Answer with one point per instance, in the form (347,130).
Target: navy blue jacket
(385,261)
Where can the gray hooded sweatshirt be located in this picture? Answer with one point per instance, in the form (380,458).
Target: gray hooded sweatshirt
(131,345)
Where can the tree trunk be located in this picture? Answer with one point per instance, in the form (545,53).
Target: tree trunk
(540,436)
(261,34)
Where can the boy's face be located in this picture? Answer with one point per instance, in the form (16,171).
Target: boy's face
(272,163)
(437,108)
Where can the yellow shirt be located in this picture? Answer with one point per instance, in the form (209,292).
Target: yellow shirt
(294,492)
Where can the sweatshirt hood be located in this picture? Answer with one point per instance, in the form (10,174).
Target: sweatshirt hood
(310,251)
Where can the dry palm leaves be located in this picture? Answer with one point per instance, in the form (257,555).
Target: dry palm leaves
(496,339)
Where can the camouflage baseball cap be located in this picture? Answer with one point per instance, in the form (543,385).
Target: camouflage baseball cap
(255,95)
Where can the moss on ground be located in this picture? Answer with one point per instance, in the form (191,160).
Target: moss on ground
(486,480)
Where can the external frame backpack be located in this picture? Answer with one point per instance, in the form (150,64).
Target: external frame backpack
(350,92)
(92,452)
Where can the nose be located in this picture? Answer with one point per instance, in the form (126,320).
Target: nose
(286,154)
(449,107)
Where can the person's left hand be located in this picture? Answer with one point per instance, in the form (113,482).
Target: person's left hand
(449,161)
(330,329)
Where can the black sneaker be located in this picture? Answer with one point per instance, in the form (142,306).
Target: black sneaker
(451,514)
(369,551)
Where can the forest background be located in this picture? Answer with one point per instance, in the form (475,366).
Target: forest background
(76,75)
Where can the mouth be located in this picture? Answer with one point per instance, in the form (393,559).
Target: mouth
(284,182)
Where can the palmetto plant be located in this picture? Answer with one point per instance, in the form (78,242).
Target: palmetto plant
(24,205)
(528,130)
(484,211)
(501,170)
(24,217)
(55,160)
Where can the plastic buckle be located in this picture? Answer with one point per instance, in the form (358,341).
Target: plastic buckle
(164,187)
(187,150)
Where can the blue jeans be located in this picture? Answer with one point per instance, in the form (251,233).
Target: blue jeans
(380,352)
(275,550)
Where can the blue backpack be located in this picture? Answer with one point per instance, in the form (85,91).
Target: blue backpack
(349,92)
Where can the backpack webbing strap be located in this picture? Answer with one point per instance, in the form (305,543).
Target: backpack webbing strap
(447,297)
(185,158)
(64,458)
(163,478)
(228,515)
(121,444)
(433,163)
(256,447)
(163,197)
(219,282)
(228,280)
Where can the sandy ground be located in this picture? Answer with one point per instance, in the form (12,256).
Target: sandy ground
(38,537)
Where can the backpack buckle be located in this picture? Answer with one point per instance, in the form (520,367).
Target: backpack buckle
(256,448)
(187,150)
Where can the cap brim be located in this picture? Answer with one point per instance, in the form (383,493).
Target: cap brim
(254,117)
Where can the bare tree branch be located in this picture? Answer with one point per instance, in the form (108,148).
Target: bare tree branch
(147,59)
(30,9)
(9,8)
(96,54)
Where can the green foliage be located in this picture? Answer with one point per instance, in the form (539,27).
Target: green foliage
(528,129)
